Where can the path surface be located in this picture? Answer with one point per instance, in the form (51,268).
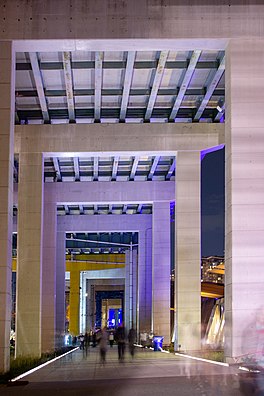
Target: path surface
(148,374)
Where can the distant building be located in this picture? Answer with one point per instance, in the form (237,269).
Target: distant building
(213,269)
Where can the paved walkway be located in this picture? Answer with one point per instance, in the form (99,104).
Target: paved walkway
(148,374)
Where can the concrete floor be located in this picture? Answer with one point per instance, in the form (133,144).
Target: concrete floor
(148,374)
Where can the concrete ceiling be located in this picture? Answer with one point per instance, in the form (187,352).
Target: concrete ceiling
(142,86)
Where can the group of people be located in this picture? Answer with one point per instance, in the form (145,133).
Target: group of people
(103,338)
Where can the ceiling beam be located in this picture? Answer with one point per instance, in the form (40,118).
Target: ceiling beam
(134,168)
(39,85)
(210,89)
(76,168)
(220,113)
(69,84)
(185,83)
(115,167)
(171,170)
(98,75)
(96,169)
(57,169)
(156,83)
(27,93)
(147,64)
(127,83)
(153,167)
(139,208)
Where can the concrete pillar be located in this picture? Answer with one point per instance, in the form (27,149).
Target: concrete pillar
(60,288)
(126,314)
(134,287)
(48,326)
(244,247)
(7,89)
(74,301)
(29,263)
(188,251)
(145,279)
(161,264)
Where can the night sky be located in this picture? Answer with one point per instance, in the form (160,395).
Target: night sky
(213,203)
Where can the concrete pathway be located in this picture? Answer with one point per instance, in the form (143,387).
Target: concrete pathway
(148,374)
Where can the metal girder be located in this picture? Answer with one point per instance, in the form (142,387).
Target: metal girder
(220,113)
(151,64)
(110,209)
(185,83)
(67,210)
(171,170)
(98,74)
(57,169)
(27,93)
(96,169)
(153,167)
(68,84)
(210,89)
(96,211)
(81,209)
(124,210)
(127,83)
(139,208)
(115,167)
(156,83)
(39,85)
(134,168)
(76,168)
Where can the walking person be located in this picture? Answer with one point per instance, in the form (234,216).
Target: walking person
(103,341)
(111,339)
(131,341)
(120,338)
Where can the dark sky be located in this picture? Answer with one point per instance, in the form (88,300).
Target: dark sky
(213,203)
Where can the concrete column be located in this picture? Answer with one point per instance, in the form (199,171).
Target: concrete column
(7,89)
(134,287)
(126,314)
(188,251)
(60,288)
(244,248)
(145,279)
(161,264)
(29,263)
(48,326)
(74,302)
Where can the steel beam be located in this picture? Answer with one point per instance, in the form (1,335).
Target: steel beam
(171,170)
(134,168)
(69,85)
(153,167)
(220,113)
(185,83)
(76,168)
(115,167)
(57,169)
(98,74)
(210,89)
(39,85)
(127,84)
(156,83)
(96,169)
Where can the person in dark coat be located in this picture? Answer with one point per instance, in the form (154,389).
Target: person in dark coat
(131,341)
(120,338)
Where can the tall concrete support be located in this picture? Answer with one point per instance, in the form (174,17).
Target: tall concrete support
(48,330)
(7,73)
(29,263)
(145,280)
(188,251)
(60,288)
(161,263)
(128,290)
(244,250)
(74,302)
(134,288)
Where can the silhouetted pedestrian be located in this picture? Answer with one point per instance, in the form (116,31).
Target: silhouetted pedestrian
(103,341)
(131,341)
(120,338)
